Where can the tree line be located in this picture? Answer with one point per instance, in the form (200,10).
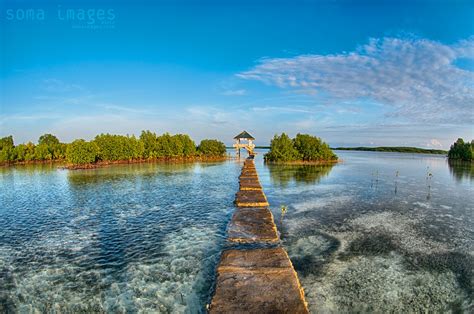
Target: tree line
(461,150)
(303,147)
(109,148)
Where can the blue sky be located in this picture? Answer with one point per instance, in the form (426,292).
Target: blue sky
(352,72)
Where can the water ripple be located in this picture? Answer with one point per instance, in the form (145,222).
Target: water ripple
(128,238)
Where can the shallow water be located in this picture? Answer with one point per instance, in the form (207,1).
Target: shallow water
(122,238)
(384,232)
(133,238)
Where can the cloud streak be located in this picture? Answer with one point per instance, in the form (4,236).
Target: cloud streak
(53,85)
(417,79)
(236,92)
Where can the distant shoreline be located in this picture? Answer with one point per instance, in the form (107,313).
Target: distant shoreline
(396,149)
(392,149)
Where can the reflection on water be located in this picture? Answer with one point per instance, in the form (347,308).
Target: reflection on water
(461,170)
(309,174)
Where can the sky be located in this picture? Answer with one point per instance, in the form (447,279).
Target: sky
(355,73)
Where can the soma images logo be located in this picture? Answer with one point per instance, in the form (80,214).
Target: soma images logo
(25,14)
(77,17)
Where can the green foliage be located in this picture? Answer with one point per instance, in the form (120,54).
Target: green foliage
(303,147)
(7,152)
(169,146)
(282,149)
(461,150)
(213,148)
(50,148)
(311,148)
(188,145)
(42,152)
(108,147)
(118,147)
(48,139)
(149,142)
(25,152)
(82,152)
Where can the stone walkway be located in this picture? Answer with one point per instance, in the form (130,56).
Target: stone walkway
(260,280)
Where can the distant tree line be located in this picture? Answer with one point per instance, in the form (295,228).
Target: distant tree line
(303,147)
(109,148)
(461,150)
(396,149)
(48,148)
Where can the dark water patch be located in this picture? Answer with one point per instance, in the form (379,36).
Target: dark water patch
(461,264)
(7,283)
(378,243)
(371,244)
(385,284)
(313,250)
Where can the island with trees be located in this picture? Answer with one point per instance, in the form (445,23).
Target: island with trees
(304,148)
(109,148)
(461,151)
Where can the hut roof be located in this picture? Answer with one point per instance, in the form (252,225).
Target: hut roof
(245,135)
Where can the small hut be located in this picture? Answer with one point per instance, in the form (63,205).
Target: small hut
(244,140)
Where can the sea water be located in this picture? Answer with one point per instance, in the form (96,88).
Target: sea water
(383,232)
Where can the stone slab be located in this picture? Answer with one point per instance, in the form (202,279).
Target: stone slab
(251,199)
(252,225)
(249,181)
(250,185)
(254,178)
(257,281)
(248,177)
(249,173)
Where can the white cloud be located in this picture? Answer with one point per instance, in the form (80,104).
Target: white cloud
(434,143)
(416,78)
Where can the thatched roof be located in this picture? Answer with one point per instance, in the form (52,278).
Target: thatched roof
(244,135)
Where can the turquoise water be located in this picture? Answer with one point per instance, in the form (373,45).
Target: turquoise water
(125,238)
(147,238)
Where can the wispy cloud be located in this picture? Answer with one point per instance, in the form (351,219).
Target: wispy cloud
(53,85)
(416,78)
(126,109)
(284,109)
(27,117)
(209,115)
(235,92)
